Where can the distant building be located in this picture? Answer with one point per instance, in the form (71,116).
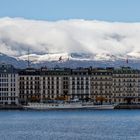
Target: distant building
(9,87)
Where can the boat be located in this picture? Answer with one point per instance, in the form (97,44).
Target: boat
(110,106)
(45,106)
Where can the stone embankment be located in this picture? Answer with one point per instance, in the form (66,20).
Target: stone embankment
(128,106)
(11,107)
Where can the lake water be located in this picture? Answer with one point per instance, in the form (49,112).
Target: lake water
(70,125)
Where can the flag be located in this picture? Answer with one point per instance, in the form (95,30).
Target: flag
(127,60)
(60,58)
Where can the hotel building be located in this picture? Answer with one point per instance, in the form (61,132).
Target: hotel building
(79,86)
(43,84)
(126,85)
(54,83)
(101,85)
(97,84)
(29,85)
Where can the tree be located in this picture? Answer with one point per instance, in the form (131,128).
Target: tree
(34,99)
(101,99)
(60,98)
(128,100)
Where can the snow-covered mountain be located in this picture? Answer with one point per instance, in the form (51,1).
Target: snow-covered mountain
(34,58)
(72,60)
(38,58)
(11,60)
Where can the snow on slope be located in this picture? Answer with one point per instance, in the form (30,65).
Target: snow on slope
(34,58)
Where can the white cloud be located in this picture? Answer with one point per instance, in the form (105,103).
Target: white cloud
(68,36)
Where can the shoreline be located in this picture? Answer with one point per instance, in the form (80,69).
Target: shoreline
(118,107)
(11,107)
(132,106)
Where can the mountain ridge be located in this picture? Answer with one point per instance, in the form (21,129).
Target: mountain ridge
(71,60)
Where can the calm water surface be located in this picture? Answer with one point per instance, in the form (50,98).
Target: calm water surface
(70,125)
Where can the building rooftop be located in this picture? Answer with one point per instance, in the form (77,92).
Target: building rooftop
(7,68)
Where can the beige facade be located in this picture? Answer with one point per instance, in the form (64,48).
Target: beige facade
(126,85)
(41,85)
(100,85)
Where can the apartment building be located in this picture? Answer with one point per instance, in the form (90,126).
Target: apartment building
(29,85)
(43,84)
(79,84)
(101,85)
(54,83)
(126,83)
(9,87)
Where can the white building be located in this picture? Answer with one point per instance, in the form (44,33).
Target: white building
(9,92)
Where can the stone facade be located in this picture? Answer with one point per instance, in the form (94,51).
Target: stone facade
(101,85)
(126,85)
(108,85)
(79,84)
(9,86)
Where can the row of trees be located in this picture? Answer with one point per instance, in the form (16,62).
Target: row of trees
(99,99)
(38,99)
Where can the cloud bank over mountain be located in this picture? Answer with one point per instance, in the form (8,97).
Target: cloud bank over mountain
(69,36)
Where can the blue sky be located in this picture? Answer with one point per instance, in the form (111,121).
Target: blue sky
(109,10)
